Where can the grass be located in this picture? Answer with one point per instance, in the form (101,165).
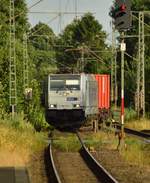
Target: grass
(137,152)
(143,124)
(101,139)
(18,140)
(130,114)
(68,143)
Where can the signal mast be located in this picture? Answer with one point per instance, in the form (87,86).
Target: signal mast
(121,14)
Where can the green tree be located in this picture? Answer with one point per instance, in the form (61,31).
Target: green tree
(21,20)
(42,40)
(21,25)
(84,33)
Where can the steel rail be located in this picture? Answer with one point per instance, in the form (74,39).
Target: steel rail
(134,132)
(96,167)
(138,133)
(55,172)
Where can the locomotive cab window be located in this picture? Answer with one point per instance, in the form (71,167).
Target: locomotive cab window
(57,85)
(62,83)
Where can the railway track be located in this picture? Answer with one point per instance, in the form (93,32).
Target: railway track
(55,175)
(79,167)
(133,132)
(102,174)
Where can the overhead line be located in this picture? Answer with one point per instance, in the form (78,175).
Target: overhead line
(61,64)
(31,33)
(131,56)
(27,8)
(35,4)
(96,56)
(54,12)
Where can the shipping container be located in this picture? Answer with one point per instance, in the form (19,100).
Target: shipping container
(103,82)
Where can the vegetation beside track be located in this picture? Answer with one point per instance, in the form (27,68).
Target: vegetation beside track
(143,124)
(67,143)
(18,141)
(135,152)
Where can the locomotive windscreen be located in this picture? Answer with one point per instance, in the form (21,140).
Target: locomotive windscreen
(64,82)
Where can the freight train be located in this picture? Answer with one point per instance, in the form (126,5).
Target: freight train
(73,99)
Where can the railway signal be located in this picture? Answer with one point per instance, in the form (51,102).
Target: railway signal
(121,14)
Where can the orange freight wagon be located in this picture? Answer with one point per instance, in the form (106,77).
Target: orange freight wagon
(103,82)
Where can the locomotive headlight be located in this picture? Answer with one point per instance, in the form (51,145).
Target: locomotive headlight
(76,105)
(53,106)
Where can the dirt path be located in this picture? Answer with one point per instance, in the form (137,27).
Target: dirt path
(36,168)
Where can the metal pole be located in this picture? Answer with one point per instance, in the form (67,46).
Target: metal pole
(137,97)
(140,102)
(25,62)
(112,64)
(60,16)
(142,64)
(122,82)
(121,135)
(12,62)
(76,9)
(116,86)
(82,59)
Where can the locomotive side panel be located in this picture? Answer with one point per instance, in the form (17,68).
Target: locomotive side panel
(91,96)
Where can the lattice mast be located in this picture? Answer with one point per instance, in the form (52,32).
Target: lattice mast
(12,62)
(25,62)
(140,99)
(76,14)
(114,93)
(112,64)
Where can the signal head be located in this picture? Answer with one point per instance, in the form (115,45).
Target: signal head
(121,13)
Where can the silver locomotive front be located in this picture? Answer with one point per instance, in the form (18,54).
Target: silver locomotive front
(64,92)
(64,100)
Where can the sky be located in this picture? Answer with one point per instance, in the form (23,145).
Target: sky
(99,8)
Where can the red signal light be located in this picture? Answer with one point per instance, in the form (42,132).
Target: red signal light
(123,7)
(121,14)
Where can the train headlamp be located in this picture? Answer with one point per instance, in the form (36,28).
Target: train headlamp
(76,105)
(52,105)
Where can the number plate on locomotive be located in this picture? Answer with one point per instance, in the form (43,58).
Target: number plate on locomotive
(72,99)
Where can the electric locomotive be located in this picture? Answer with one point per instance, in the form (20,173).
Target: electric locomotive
(70,99)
